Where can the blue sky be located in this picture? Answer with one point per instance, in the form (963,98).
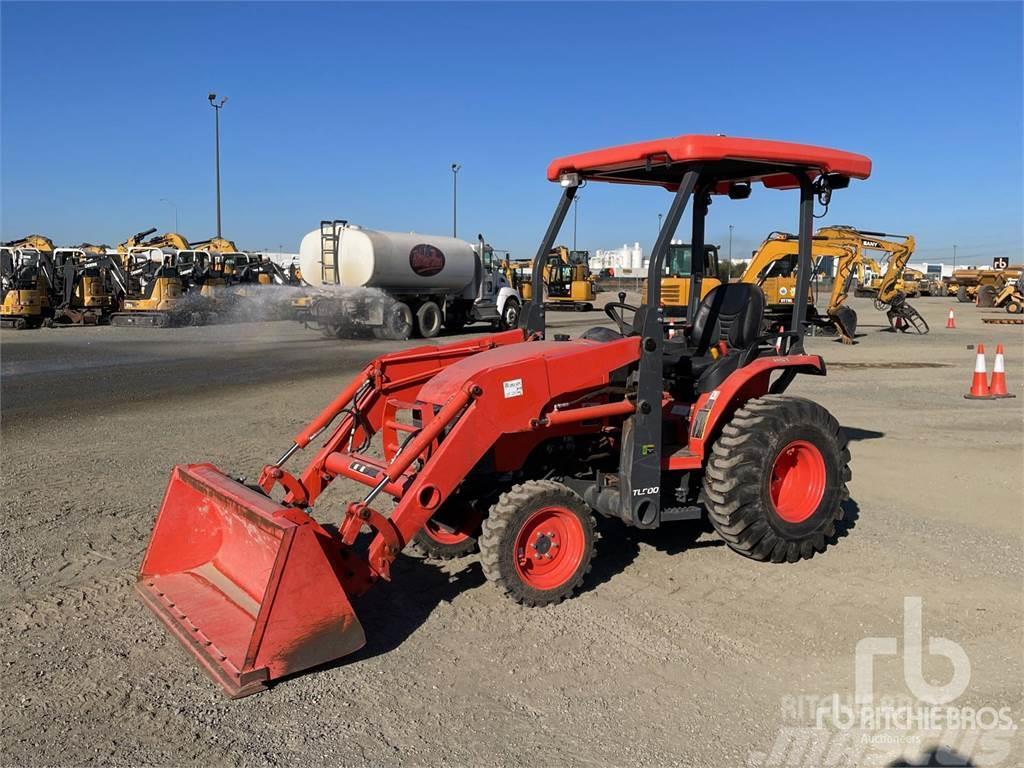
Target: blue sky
(357,111)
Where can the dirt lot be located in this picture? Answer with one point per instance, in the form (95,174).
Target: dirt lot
(678,652)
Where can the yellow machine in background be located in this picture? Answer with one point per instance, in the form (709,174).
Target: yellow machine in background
(889,293)
(87,294)
(926,285)
(774,268)
(568,281)
(27,285)
(151,291)
(675,282)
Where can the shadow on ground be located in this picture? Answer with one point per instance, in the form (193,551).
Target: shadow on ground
(392,611)
(855,434)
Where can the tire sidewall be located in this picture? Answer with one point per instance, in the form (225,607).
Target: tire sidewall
(428,320)
(507,554)
(399,321)
(510,313)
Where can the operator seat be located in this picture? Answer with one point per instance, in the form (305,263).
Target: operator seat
(733,313)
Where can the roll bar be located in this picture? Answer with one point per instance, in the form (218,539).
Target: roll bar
(695,184)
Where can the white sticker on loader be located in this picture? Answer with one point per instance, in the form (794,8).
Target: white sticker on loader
(513,388)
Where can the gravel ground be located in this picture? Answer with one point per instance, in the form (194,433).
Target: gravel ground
(678,652)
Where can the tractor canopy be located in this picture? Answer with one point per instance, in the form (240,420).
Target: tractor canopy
(662,162)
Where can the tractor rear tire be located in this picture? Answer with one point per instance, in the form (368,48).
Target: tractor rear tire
(987,296)
(537,542)
(777,478)
(961,294)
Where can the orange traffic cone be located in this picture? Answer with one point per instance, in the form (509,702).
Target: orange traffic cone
(998,387)
(951,320)
(979,384)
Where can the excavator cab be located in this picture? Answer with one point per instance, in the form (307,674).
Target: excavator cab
(675,281)
(27,276)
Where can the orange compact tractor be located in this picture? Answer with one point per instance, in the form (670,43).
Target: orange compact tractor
(511,443)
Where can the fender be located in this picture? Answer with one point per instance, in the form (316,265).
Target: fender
(503,295)
(713,409)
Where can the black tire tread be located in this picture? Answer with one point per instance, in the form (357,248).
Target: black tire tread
(732,482)
(496,529)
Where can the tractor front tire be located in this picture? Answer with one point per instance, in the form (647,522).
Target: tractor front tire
(777,478)
(537,542)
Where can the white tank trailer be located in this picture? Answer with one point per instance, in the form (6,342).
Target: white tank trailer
(397,284)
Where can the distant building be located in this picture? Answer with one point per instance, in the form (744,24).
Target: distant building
(937,269)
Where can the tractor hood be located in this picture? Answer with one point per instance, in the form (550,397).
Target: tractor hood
(534,371)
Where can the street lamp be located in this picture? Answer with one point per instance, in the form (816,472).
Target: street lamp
(455,198)
(575,202)
(659,223)
(175,206)
(217,107)
(954,257)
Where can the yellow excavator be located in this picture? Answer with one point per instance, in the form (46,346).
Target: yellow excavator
(889,294)
(85,289)
(675,281)
(26,283)
(566,277)
(773,267)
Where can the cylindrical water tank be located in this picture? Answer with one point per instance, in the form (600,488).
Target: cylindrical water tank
(394,261)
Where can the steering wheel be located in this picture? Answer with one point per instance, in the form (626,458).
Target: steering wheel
(618,317)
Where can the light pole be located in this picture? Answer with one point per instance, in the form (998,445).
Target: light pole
(954,257)
(455,198)
(575,202)
(659,224)
(175,206)
(217,107)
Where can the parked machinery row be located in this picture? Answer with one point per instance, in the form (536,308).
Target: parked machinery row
(160,281)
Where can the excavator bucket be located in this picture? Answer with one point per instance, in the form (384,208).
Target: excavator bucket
(845,320)
(252,589)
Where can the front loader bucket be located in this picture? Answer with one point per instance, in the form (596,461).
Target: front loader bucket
(253,594)
(845,320)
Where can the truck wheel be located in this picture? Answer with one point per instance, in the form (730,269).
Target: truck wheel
(437,542)
(777,478)
(428,320)
(537,542)
(398,321)
(510,314)
(962,295)
(1014,308)
(986,296)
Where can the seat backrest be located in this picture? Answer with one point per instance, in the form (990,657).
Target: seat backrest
(733,312)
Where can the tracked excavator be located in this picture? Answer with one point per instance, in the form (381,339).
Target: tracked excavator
(88,294)
(27,283)
(889,296)
(773,267)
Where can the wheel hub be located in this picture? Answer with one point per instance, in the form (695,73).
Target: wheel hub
(797,481)
(549,548)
